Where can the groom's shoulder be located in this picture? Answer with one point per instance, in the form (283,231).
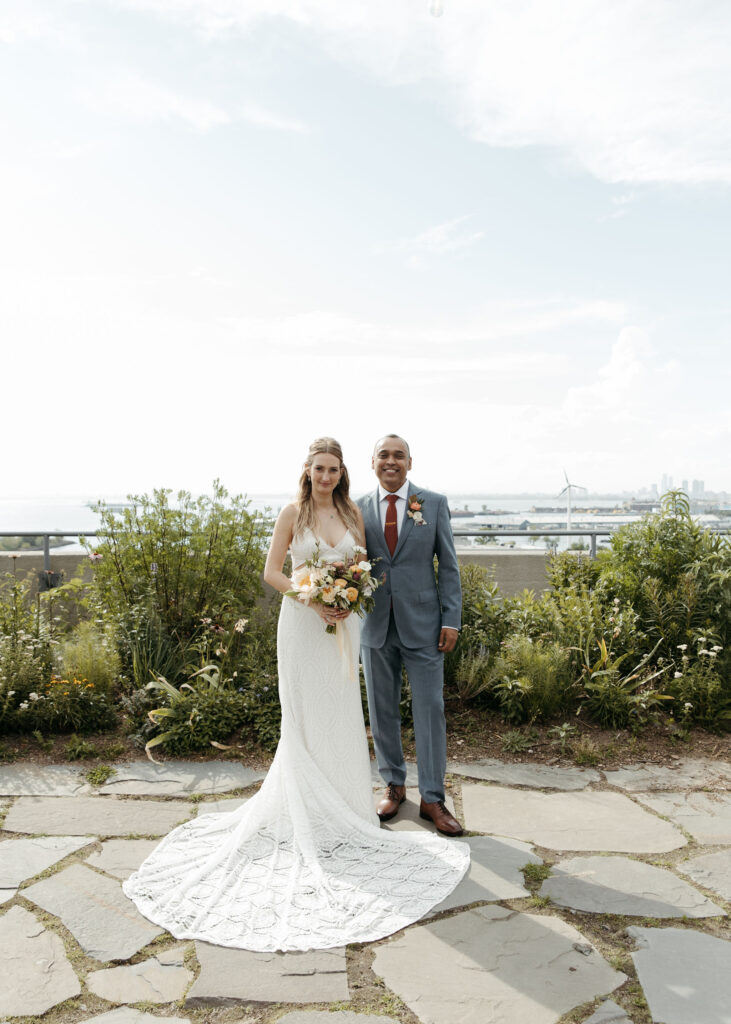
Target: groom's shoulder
(363,500)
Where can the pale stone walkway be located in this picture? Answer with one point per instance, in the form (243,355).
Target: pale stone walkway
(589,893)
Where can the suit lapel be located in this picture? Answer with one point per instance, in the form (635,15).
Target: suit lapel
(373,519)
(407,524)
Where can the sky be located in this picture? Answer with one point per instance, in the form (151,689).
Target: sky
(500,229)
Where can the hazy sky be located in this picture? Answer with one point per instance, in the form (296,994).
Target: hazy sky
(230,226)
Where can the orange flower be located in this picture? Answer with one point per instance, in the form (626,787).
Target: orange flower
(352,594)
(340,583)
(415,505)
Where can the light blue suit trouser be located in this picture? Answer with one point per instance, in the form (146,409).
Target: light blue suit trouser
(425,669)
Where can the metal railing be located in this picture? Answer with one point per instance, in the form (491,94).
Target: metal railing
(490,532)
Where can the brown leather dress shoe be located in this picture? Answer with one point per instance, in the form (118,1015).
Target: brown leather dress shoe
(392,800)
(438,813)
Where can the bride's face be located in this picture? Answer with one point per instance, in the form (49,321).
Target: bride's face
(325,472)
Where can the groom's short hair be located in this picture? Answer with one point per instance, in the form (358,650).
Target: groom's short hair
(398,438)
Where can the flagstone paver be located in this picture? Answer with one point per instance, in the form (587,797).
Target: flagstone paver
(21,859)
(94,815)
(609,1013)
(231,976)
(42,780)
(338,1017)
(161,979)
(494,872)
(408,819)
(128,1015)
(93,907)
(595,821)
(178,778)
(493,964)
(690,773)
(120,857)
(536,776)
(220,806)
(618,885)
(707,816)
(711,870)
(35,973)
(685,975)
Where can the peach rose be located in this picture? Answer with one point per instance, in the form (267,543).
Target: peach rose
(340,583)
(415,506)
(352,594)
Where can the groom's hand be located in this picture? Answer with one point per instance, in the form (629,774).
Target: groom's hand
(447,639)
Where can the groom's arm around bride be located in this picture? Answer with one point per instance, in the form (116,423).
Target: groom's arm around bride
(415,621)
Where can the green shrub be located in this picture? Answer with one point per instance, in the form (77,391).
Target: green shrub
(90,654)
(700,694)
(531,679)
(196,715)
(199,558)
(64,705)
(675,575)
(615,700)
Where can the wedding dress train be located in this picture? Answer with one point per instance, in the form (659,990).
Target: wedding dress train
(304,863)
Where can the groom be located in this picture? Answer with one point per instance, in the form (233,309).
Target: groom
(413,624)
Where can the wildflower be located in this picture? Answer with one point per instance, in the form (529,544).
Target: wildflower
(687,706)
(95,556)
(11,693)
(716,648)
(701,640)
(24,705)
(678,675)
(241,625)
(682,647)
(33,696)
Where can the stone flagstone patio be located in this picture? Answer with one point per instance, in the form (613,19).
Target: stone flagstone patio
(601,895)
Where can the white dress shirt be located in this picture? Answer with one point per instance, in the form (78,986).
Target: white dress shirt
(403,495)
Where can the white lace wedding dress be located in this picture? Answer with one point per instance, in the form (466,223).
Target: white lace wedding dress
(304,863)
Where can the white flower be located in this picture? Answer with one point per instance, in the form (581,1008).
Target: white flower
(241,625)
(364,566)
(704,651)
(11,693)
(687,706)
(24,705)
(712,654)
(418,517)
(682,647)
(678,675)
(701,640)
(717,648)
(33,696)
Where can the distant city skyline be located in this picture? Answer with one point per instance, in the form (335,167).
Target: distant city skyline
(229,228)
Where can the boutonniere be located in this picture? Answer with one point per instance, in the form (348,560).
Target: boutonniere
(416,503)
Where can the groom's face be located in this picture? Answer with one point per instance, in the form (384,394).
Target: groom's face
(391,462)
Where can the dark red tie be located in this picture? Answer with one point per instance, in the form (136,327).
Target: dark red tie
(390,530)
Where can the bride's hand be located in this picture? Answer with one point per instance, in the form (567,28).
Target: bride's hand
(331,615)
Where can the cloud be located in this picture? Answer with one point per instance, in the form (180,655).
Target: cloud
(435,241)
(629,92)
(264,118)
(131,95)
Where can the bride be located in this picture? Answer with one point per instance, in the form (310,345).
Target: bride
(304,863)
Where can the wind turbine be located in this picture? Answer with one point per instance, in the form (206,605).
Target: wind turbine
(567,491)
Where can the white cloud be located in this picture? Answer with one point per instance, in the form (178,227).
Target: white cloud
(260,116)
(435,241)
(630,92)
(131,95)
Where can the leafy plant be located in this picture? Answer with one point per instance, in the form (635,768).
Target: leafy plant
(561,735)
(196,715)
(199,557)
(700,693)
(531,679)
(78,749)
(99,774)
(515,741)
(585,752)
(91,654)
(616,700)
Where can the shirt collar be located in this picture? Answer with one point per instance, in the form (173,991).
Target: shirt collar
(402,492)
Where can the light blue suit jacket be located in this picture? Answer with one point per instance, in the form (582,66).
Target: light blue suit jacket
(420,606)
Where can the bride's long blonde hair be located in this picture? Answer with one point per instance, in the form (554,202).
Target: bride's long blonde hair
(346,509)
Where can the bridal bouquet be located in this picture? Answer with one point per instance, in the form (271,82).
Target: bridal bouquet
(347,585)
